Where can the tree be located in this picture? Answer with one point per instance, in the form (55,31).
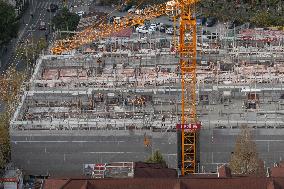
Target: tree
(41,45)
(2,160)
(28,53)
(157,157)
(8,22)
(131,2)
(65,20)
(10,85)
(260,13)
(262,19)
(245,158)
(4,140)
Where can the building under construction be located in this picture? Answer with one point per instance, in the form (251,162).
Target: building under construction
(119,99)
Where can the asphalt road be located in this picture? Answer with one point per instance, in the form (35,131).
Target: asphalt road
(63,153)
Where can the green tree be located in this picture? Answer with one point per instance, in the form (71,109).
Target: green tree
(260,13)
(8,22)
(41,45)
(157,157)
(245,158)
(65,20)
(262,19)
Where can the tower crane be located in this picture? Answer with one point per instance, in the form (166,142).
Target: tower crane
(187,61)
(187,53)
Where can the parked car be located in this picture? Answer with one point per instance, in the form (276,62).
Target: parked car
(170,31)
(151,30)
(211,22)
(80,13)
(138,11)
(131,10)
(142,30)
(139,28)
(163,29)
(52,8)
(153,27)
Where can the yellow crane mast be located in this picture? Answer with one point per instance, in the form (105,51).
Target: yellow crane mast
(187,53)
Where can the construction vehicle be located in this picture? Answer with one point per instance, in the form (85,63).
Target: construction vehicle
(184,10)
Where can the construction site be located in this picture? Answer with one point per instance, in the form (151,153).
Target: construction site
(121,98)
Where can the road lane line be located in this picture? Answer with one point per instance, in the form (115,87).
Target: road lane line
(65,141)
(112,152)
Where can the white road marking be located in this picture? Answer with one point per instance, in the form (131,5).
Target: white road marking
(111,152)
(268,140)
(65,141)
(46,5)
(39,5)
(122,153)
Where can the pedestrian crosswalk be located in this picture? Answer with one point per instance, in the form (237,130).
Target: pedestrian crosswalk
(45,4)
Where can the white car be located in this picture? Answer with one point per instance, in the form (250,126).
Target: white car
(144,38)
(143,30)
(131,11)
(138,11)
(139,28)
(153,26)
(80,13)
(170,31)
